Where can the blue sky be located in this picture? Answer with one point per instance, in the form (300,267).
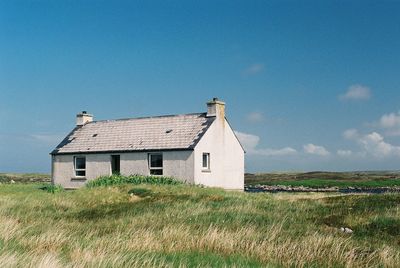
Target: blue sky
(310,86)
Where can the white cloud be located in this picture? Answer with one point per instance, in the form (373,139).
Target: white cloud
(390,120)
(344,153)
(375,145)
(315,149)
(390,123)
(255,117)
(372,144)
(356,92)
(250,143)
(254,69)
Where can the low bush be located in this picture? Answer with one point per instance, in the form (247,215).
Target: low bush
(132,179)
(389,226)
(51,188)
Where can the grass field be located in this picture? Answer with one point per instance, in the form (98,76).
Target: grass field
(186,226)
(327,179)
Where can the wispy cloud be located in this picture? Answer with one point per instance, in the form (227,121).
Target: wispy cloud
(344,153)
(356,92)
(315,149)
(255,117)
(254,69)
(47,138)
(350,134)
(250,143)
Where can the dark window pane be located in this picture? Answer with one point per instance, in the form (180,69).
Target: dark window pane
(156,172)
(80,173)
(205,160)
(80,163)
(115,164)
(156,160)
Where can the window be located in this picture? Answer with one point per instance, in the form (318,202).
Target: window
(115,164)
(80,166)
(206,161)
(156,164)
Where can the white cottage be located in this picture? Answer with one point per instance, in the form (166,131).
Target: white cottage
(197,148)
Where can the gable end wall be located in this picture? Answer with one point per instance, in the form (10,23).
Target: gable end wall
(226,158)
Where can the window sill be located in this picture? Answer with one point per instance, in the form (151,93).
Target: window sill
(156,175)
(206,170)
(78,179)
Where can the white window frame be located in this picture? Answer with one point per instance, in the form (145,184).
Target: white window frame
(156,168)
(207,168)
(79,169)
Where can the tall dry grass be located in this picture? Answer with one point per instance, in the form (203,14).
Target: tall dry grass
(182,226)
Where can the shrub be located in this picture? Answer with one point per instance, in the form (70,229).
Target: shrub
(132,179)
(51,188)
(383,225)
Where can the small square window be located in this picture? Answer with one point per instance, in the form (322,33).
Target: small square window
(206,161)
(80,166)
(156,164)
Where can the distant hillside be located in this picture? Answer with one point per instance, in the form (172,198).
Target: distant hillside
(320,178)
(24,177)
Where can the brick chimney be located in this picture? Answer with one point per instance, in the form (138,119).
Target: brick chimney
(83,118)
(216,108)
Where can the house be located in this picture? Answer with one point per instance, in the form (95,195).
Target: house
(197,148)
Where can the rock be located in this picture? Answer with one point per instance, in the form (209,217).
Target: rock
(12,181)
(348,231)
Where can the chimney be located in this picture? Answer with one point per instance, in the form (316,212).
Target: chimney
(83,118)
(216,108)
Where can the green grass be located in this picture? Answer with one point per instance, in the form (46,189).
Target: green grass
(51,188)
(154,225)
(132,179)
(327,179)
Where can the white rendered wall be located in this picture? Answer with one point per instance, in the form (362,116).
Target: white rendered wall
(226,158)
(177,164)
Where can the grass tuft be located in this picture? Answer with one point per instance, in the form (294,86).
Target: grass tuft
(53,188)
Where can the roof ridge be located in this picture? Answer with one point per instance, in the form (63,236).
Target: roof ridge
(144,117)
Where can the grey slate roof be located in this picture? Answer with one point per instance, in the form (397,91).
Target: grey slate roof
(180,132)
